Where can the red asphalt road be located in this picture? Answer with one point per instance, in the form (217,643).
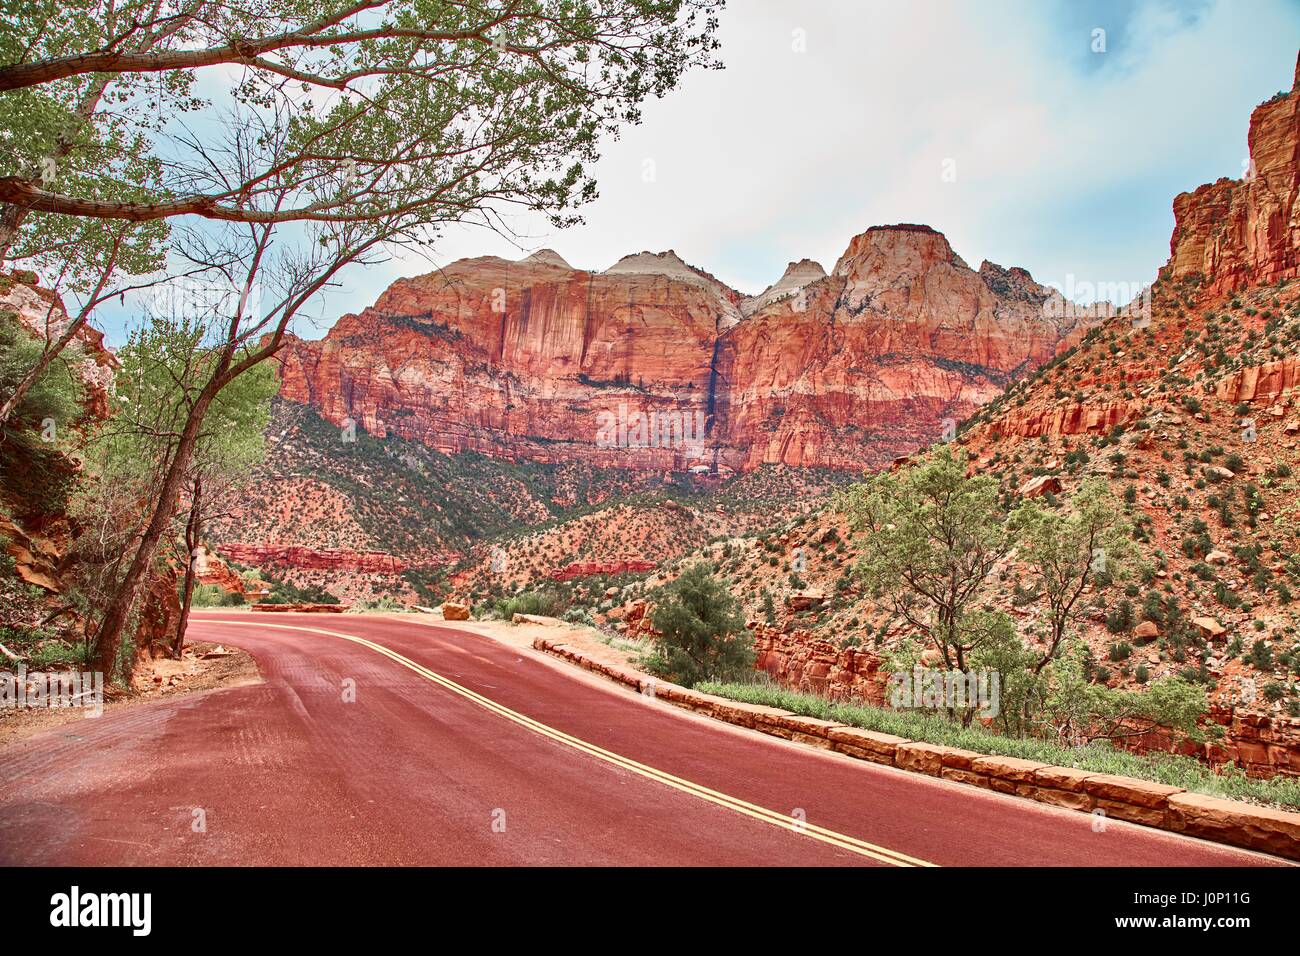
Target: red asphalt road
(287,772)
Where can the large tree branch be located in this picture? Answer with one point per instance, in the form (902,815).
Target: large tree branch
(248,51)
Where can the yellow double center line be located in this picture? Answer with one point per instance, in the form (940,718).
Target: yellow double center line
(784,822)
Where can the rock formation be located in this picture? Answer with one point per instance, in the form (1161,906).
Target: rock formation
(1235,233)
(295,556)
(42,312)
(36,533)
(582,569)
(654,364)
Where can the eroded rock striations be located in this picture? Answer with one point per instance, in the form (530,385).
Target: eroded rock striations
(655,364)
(295,556)
(1240,232)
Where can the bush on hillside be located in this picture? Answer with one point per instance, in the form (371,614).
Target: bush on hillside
(702,636)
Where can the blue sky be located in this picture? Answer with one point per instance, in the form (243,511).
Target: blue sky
(1063,153)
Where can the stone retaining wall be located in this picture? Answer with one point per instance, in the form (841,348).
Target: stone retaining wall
(1123,798)
(1261,745)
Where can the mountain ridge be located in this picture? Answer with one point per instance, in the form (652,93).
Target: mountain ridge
(517,359)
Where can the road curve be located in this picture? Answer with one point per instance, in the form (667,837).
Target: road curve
(375,740)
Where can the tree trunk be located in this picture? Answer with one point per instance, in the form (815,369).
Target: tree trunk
(119,609)
(36,371)
(11,217)
(193,532)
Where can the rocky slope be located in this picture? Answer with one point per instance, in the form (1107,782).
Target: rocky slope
(1192,413)
(43,578)
(1195,420)
(387,517)
(656,365)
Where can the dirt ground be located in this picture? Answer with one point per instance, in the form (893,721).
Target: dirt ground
(203,666)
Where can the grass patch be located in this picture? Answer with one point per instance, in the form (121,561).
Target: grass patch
(1171,769)
(545,603)
(211,595)
(42,650)
(383,603)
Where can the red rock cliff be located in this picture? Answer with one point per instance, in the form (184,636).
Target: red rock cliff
(654,364)
(1236,233)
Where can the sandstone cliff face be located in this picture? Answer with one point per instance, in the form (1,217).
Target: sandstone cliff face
(869,362)
(1236,233)
(295,556)
(1261,384)
(654,364)
(43,313)
(1069,418)
(39,537)
(516,359)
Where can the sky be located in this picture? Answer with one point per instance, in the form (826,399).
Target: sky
(1047,134)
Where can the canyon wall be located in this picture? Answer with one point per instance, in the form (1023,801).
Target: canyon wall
(1236,233)
(654,364)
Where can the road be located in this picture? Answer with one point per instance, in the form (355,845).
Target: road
(375,740)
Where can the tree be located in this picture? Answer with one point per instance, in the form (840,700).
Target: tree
(931,537)
(234,444)
(458,78)
(367,125)
(162,366)
(702,634)
(87,137)
(32,466)
(1021,689)
(1067,550)
(1077,711)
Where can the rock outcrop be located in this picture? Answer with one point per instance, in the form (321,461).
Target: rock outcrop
(585,569)
(1235,233)
(1262,384)
(806,663)
(1065,418)
(295,556)
(36,532)
(43,313)
(657,365)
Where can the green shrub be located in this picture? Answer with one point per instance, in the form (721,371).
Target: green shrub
(32,468)
(702,634)
(546,602)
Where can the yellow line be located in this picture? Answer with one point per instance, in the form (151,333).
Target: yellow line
(843,841)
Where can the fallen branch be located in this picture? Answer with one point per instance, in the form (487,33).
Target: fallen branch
(10,654)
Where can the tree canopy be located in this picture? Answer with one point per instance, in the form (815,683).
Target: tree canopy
(932,537)
(386,105)
(702,636)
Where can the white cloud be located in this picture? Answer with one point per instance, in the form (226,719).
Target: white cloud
(1065,164)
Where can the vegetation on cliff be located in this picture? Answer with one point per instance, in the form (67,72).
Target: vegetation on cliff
(329,144)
